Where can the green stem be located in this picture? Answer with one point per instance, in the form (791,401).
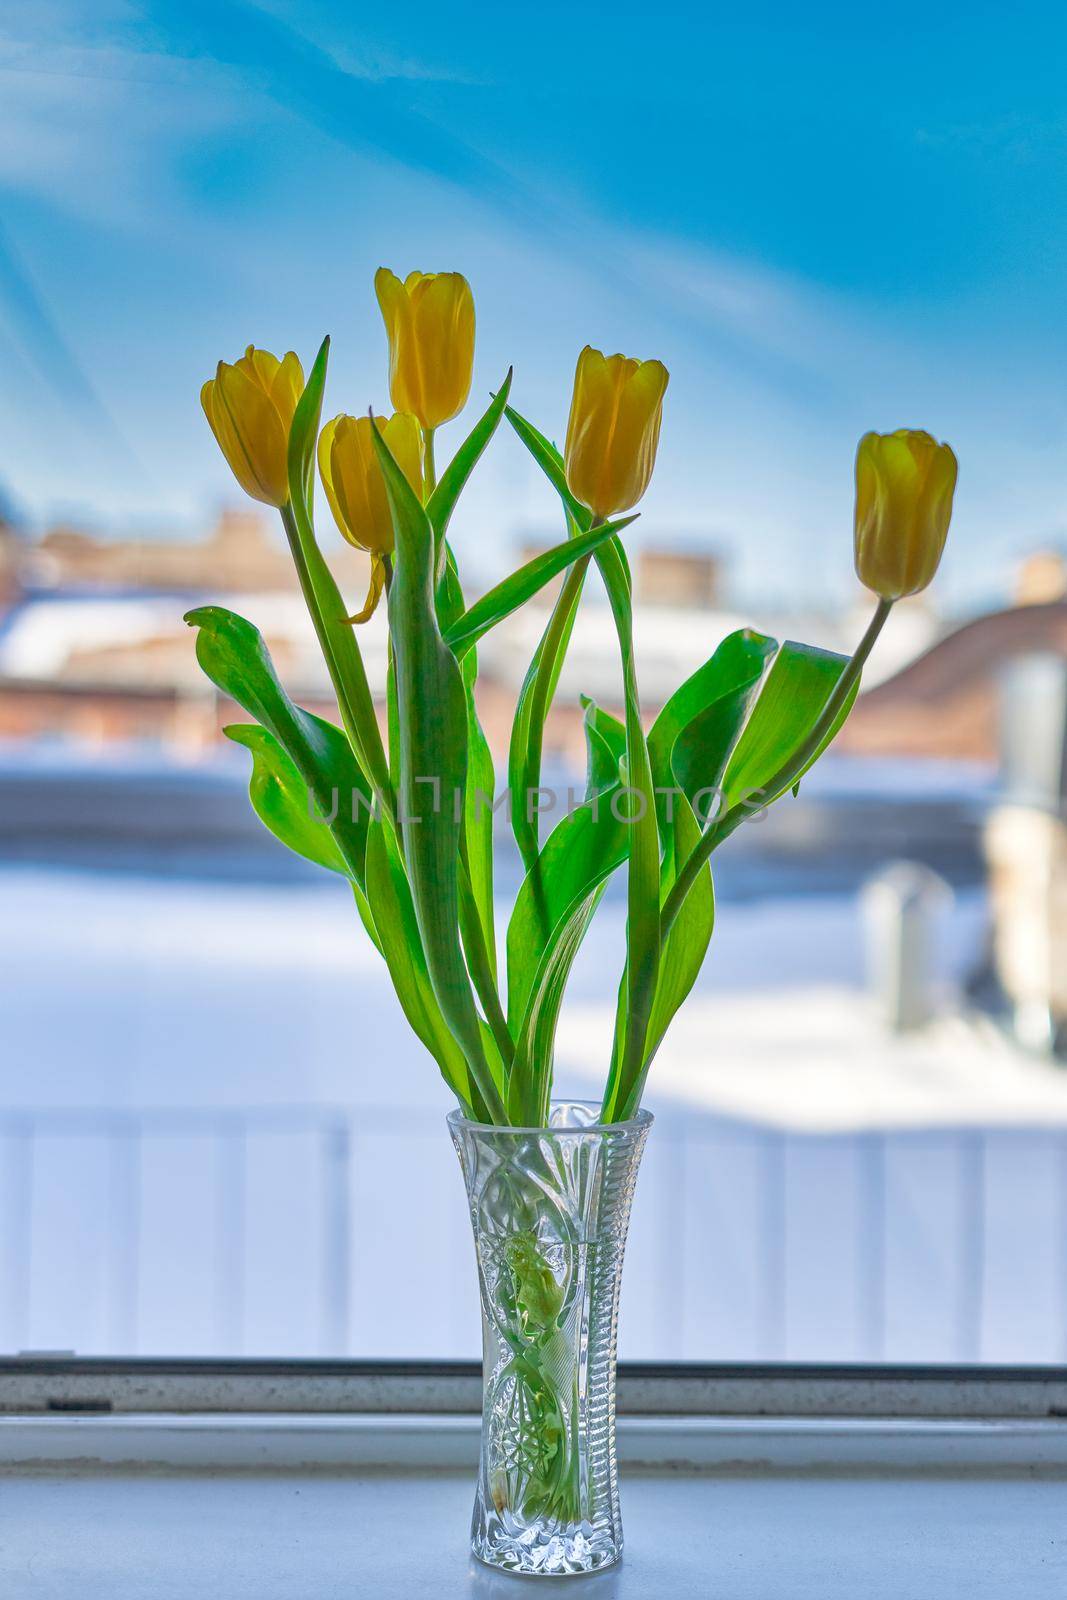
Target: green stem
(342,655)
(644,930)
(552,645)
(783,779)
(429,481)
(480,966)
(547,677)
(429,468)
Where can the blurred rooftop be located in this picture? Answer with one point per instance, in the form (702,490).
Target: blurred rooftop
(92,643)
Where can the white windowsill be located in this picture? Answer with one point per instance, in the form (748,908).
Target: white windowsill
(698,1445)
(295,1507)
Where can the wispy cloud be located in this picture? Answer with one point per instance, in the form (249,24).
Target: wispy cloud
(86,128)
(1019,137)
(382,66)
(350,98)
(53,356)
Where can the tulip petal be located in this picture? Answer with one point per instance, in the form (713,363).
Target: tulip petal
(374,592)
(352,476)
(261,366)
(403,435)
(429,321)
(904,487)
(286,388)
(324,454)
(249,433)
(613,430)
(390,293)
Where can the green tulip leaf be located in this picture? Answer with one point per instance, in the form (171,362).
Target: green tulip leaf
(531,1079)
(389,896)
(534,703)
(450,602)
(233,654)
(481,774)
(583,849)
(478,816)
(432,715)
(793,696)
(336,636)
(477,835)
(280,799)
(691,739)
(643,849)
(514,591)
(539,687)
(552,910)
(550,461)
(643,941)
(304,432)
(605,744)
(684,948)
(453,480)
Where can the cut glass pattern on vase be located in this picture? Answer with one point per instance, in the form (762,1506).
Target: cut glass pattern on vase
(550,1208)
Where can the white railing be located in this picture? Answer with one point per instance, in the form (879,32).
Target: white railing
(315,1231)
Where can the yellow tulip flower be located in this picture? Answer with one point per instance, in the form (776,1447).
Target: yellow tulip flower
(613,430)
(250,407)
(429,319)
(355,486)
(904,487)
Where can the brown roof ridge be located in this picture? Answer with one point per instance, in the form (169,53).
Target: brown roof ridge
(972,654)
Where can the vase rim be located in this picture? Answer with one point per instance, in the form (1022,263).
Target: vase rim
(640,1119)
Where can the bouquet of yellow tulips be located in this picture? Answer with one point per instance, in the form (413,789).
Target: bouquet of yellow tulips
(406,814)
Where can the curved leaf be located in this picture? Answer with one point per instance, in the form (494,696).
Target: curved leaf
(797,688)
(389,897)
(450,602)
(336,636)
(643,940)
(514,591)
(452,482)
(478,823)
(233,654)
(552,911)
(531,1082)
(550,461)
(534,702)
(581,851)
(432,707)
(684,948)
(643,851)
(691,739)
(481,774)
(304,431)
(539,686)
(279,798)
(605,744)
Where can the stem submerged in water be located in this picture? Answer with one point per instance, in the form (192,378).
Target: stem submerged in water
(540,1473)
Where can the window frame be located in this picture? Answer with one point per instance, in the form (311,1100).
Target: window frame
(36,1383)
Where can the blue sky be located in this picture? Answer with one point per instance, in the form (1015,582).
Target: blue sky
(822,218)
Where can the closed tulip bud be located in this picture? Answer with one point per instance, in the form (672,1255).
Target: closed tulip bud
(250,407)
(613,430)
(355,487)
(904,487)
(429,319)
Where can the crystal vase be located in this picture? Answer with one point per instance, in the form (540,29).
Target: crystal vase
(550,1208)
